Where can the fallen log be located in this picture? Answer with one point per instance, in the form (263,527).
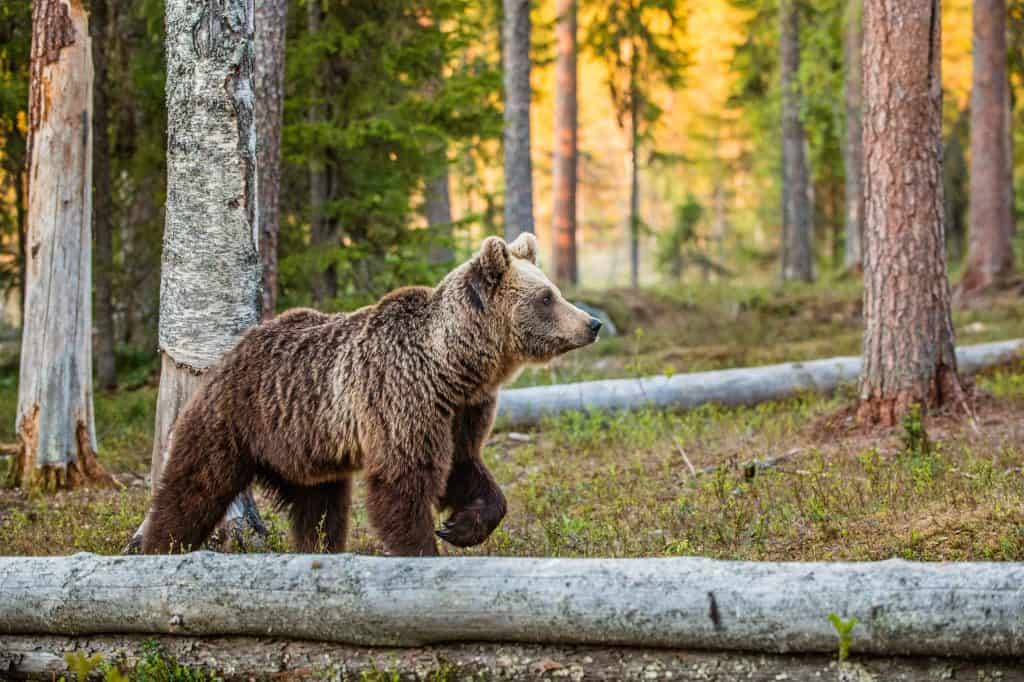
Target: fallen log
(743,386)
(901,608)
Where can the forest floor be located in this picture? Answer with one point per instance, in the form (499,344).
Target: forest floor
(621,485)
(787,480)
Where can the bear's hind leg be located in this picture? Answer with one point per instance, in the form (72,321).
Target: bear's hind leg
(195,489)
(319,514)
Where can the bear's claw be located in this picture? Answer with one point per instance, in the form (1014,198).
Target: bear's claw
(469,526)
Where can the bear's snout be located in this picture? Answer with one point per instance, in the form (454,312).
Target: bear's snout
(594,326)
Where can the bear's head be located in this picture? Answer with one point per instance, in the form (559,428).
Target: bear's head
(525,312)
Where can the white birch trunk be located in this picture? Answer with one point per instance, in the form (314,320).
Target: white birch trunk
(741,386)
(947,609)
(55,425)
(210,286)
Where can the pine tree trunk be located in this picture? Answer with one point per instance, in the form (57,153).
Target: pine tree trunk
(634,184)
(55,426)
(990,251)
(270,40)
(798,257)
(565,161)
(103,209)
(908,339)
(319,225)
(210,277)
(518,166)
(437,209)
(853,152)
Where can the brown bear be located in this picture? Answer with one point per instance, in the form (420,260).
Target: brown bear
(404,389)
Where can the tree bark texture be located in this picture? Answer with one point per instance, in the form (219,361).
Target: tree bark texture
(743,386)
(908,338)
(901,608)
(566,149)
(320,228)
(853,150)
(210,279)
(518,166)
(55,425)
(102,200)
(990,227)
(42,657)
(634,178)
(437,209)
(798,256)
(271,16)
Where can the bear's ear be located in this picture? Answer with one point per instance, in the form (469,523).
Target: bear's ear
(525,247)
(494,260)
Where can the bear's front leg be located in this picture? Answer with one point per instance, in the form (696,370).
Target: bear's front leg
(404,481)
(471,492)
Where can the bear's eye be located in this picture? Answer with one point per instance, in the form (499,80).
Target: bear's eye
(547,299)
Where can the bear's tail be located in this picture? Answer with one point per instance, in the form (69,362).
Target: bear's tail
(203,474)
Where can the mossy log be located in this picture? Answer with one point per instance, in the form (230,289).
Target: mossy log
(901,608)
(743,386)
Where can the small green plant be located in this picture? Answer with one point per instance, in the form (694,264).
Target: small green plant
(914,436)
(844,628)
(80,665)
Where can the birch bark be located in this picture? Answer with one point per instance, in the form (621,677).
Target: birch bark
(55,425)
(210,277)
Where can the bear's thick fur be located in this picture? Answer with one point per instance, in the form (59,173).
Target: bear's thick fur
(404,389)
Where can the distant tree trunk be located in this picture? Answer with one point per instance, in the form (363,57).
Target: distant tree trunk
(954,187)
(103,205)
(437,209)
(990,251)
(634,180)
(565,161)
(210,277)
(270,38)
(908,339)
(21,211)
(853,152)
(319,226)
(518,166)
(55,426)
(798,257)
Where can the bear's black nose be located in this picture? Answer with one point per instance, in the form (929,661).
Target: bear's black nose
(594,325)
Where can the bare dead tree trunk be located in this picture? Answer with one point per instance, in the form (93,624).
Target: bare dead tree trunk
(565,161)
(853,152)
(518,166)
(103,208)
(210,277)
(908,338)
(55,426)
(990,251)
(270,40)
(798,256)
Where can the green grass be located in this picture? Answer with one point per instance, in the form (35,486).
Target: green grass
(619,485)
